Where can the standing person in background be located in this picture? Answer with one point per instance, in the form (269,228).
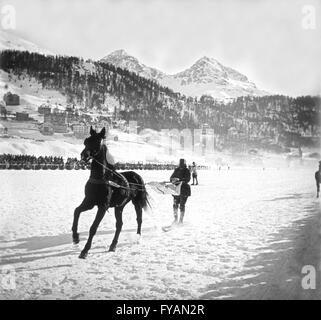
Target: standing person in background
(181,175)
(194,173)
(318,179)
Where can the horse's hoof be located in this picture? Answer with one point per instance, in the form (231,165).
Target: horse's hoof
(75,238)
(83,255)
(112,249)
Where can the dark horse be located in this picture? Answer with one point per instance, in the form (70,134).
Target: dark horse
(107,188)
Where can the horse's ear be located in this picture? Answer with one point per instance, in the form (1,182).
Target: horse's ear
(92,131)
(103,132)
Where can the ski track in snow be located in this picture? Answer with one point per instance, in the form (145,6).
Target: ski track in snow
(241,229)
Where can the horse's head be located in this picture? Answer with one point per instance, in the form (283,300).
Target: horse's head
(92,144)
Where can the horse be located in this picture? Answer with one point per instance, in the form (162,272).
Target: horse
(107,188)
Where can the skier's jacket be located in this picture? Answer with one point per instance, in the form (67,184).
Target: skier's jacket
(183,174)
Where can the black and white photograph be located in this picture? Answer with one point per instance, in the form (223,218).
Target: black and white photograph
(160,150)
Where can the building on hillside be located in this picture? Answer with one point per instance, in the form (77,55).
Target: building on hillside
(72,116)
(58,120)
(81,130)
(44,109)
(22,116)
(47,129)
(11,99)
(252,112)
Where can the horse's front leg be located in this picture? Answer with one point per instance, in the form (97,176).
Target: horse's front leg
(85,205)
(99,216)
(119,224)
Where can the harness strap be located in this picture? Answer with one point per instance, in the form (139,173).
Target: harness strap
(97,181)
(127,188)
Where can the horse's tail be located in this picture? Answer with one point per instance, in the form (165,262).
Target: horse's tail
(145,203)
(143,196)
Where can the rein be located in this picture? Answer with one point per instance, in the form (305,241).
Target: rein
(120,176)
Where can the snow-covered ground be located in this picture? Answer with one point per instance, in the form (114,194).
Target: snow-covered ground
(247,234)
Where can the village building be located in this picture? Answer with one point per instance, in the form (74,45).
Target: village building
(44,109)
(252,112)
(47,129)
(81,130)
(58,120)
(22,116)
(11,99)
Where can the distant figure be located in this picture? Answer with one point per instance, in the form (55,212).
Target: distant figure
(300,152)
(194,173)
(318,179)
(181,175)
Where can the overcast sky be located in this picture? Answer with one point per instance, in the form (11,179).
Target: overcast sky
(264,39)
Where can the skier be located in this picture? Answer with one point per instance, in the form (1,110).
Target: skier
(318,179)
(194,173)
(181,175)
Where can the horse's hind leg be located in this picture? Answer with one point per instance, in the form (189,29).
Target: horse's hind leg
(93,229)
(119,224)
(139,216)
(85,205)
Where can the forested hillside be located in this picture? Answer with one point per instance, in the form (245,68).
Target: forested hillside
(87,83)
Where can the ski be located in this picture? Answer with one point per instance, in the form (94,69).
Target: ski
(167,228)
(170,227)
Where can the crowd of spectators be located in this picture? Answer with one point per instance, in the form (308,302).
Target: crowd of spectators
(28,162)
(22,159)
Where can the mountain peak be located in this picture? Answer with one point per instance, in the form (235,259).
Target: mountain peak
(120,58)
(205,76)
(208,62)
(204,70)
(206,59)
(119,55)
(120,52)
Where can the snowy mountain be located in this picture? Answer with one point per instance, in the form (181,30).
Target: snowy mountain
(121,59)
(10,41)
(205,76)
(208,76)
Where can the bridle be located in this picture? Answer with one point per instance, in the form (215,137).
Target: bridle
(90,154)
